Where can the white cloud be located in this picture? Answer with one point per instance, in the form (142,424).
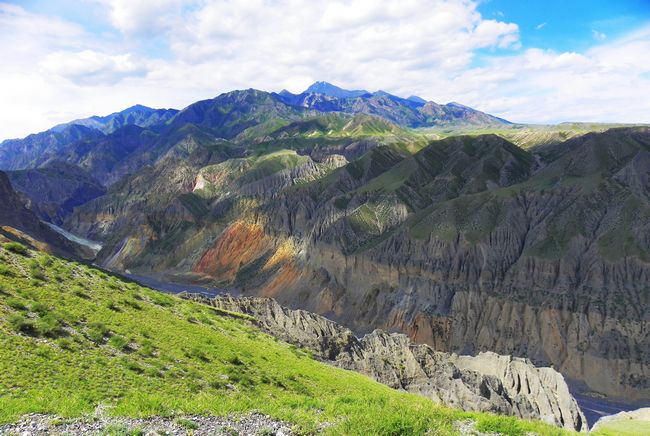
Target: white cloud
(88,67)
(540,26)
(56,71)
(602,84)
(25,36)
(143,16)
(598,36)
(348,40)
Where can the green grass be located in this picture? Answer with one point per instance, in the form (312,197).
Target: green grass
(623,428)
(68,346)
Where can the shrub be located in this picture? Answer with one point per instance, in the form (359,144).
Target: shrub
(147,349)
(235,360)
(132,303)
(229,431)
(161,300)
(217,384)
(132,365)
(80,292)
(197,353)
(43,351)
(39,308)
(16,247)
(6,271)
(49,326)
(16,304)
(153,372)
(97,332)
(121,430)
(66,344)
(205,319)
(36,270)
(241,378)
(187,424)
(119,342)
(112,305)
(22,324)
(505,425)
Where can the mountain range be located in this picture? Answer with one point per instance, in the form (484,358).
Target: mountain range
(460,229)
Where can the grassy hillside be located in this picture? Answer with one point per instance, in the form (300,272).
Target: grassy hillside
(527,136)
(73,337)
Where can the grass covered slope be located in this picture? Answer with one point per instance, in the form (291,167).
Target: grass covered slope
(73,337)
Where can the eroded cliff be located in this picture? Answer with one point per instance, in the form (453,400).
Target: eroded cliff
(486,382)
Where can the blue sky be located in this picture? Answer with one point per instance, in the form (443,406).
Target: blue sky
(538,61)
(569,24)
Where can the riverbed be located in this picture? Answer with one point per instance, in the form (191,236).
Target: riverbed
(176,288)
(596,408)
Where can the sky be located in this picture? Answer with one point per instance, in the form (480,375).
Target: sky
(527,61)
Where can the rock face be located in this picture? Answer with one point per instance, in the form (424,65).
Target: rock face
(486,382)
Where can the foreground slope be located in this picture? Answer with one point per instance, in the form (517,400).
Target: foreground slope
(73,337)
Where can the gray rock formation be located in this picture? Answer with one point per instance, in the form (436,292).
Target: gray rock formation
(487,382)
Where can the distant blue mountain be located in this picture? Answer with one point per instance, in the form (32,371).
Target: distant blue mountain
(138,115)
(326,88)
(416,99)
(65,141)
(410,112)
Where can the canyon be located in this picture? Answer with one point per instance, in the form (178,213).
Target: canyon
(367,209)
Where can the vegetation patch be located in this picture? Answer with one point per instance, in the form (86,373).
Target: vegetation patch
(16,247)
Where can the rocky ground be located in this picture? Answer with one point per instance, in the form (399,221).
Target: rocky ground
(487,382)
(248,425)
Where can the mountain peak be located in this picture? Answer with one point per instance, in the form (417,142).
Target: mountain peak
(136,108)
(327,88)
(456,104)
(416,99)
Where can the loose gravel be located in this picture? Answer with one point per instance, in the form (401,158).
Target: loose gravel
(246,425)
